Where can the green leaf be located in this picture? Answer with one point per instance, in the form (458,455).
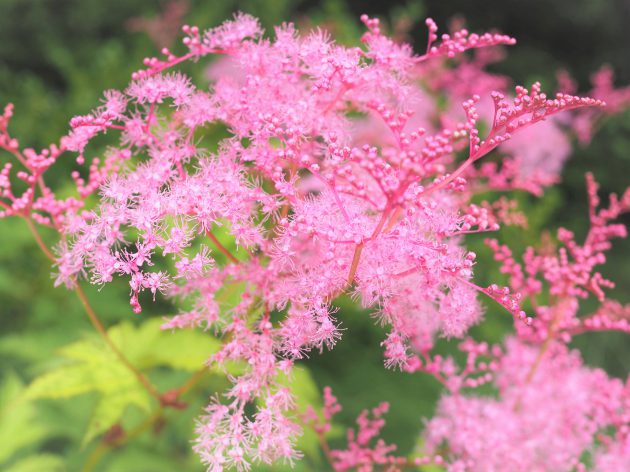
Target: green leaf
(420,446)
(64,382)
(90,366)
(230,295)
(31,346)
(306,393)
(110,409)
(432,468)
(38,463)
(93,370)
(149,346)
(150,459)
(305,389)
(223,233)
(93,367)
(20,424)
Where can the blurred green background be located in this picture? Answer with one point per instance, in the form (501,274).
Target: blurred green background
(56,58)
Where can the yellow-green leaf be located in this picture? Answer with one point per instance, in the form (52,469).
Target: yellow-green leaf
(110,409)
(38,463)
(19,422)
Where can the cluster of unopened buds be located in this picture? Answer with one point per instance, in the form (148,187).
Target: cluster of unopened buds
(341,174)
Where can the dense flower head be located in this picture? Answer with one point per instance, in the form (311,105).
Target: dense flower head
(549,409)
(547,413)
(340,174)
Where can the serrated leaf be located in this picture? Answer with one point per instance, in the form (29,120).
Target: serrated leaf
(93,367)
(149,346)
(110,409)
(88,351)
(19,422)
(64,382)
(185,350)
(38,463)
(133,340)
(104,374)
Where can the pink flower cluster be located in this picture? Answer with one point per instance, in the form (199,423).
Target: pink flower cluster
(550,409)
(342,175)
(543,419)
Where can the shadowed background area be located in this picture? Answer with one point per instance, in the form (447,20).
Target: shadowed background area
(56,58)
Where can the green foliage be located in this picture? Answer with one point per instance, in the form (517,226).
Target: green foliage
(55,60)
(147,346)
(306,394)
(91,366)
(38,462)
(19,422)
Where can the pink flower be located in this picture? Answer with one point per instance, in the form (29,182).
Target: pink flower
(341,171)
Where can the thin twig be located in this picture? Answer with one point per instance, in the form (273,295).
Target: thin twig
(38,239)
(96,322)
(104,445)
(225,251)
(94,319)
